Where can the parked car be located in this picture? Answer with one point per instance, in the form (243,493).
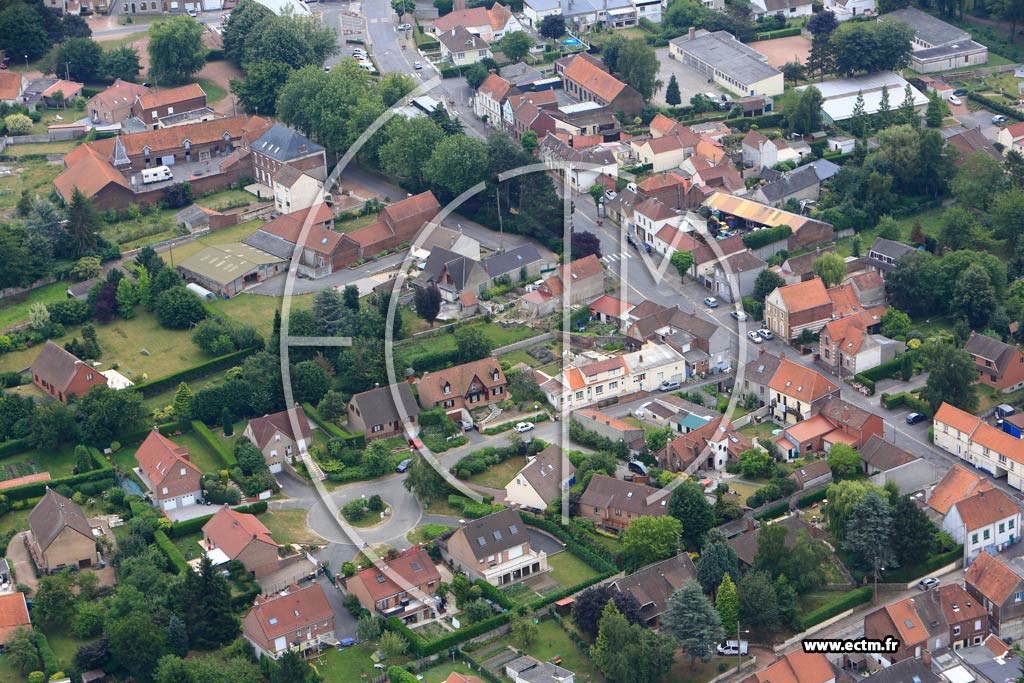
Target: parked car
(953,99)
(637,467)
(755,337)
(927,583)
(733,648)
(766,333)
(739,315)
(522,427)
(327,68)
(192,13)
(669,385)
(914,418)
(610,194)
(418,66)
(467,425)
(960,92)
(711,302)
(404,27)
(999,118)
(404,465)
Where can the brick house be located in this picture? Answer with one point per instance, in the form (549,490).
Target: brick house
(859,424)
(918,623)
(295,619)
(999,365)
(495,548)
(275,436)
(614,503)
(62,536)
(653,585)
(585,78)
(797,667)
(796,392)
(792,309)
(151,106)
(241,537)
(376,415)
(966,616)
(281,146)
(1001,591)
(114,104)
(323,251)
(166,469)
(13,615)
(397,224)
(409,598)
(62,375)
(708,447)
(467,386)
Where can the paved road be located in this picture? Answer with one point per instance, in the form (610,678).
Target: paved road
(209,18)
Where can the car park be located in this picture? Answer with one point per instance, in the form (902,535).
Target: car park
(522,427)
(711,302)
(669,385)
(927,583)
(754,337)
(915,418)
(733,648)
(953,99)
(766,333)
(404,465)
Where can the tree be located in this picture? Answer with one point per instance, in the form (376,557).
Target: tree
(471,345)
(716,560)
(122,62)
(649,539)
(806,563)
(21,651)
(830,267)
(693,622)
(843,460)
(476,73)
(225,422)
(182,405)
(515,45)
(692,509)
(529,139)
(672,95)
(18,124)
(793,72)
(427,301)
(806,115)
(291,669)
(377,459)
(393,644)
(629,652)
(50,425)
(176,50)
(895,324)
(637,63)
(85,268)
(524,630)
(82,225)
(590,605)
(262,84)
(127,298)
(23,31)
(767,282)
(974,297)
(682,261)
(727,604)
(136,643)
(759,607)
(410,145)
(552,26)
(584,243)
(245,18)
(456,164)
(756,462)
(1007,215)
(907,113)
(425,482)
(104,412)
(977,180)
(951,377)
(870,47)
(1010,11)
(658,438)
(178,309)
(295,40)
(83,461)
(177,636)
(869,533)
(82,58)
(53,596)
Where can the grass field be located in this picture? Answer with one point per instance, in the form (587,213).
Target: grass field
(214,92)
(199,452)
(352,664)
(15,520)
(59,463)
(520,356)
(146,229)
(761,431)
(219,201)
(289,526)
(439,674)
(41,148)
(258,310)
(497,476)
(682,672)
(235,233)
(744,490)
(14,309)
(189,544)
(569,570)
(552,641)
(496,334)
(355,223)
(930,224)
(34,175)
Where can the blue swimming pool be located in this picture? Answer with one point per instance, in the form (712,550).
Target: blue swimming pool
(571,41)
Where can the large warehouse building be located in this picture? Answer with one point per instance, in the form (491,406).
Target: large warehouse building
(727,61)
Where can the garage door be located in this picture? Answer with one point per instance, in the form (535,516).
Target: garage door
(167,160)
(188,499)
(170,504)
(275,468)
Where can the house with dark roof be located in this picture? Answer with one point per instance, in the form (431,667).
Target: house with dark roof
(495,548)
(378,415)
(999,365)
(545,477)
(734,276)
(579,166)
(609,427)
(719,56)
(937,45)
(970,141)
(653,585)
(451,273)
(165,468)
(588,81)
(705,445)
(404,589)
(514,263)
(758,373)
(462,48)
(467,386)
(907,671)
(13,615)
(650,321)
(232,535)
(614,503)
(62,375)
(276,436)
(280,145)
(812,475)
(61,535)
(745,544)
(1000,590)
(777,188)
(883,254)
(883,461)
(114,104)
(797,269)
(988,520)
(297,619)
(527,669)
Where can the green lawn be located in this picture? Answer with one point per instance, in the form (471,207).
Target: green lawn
(15,520)
(520,356)
(612,545)
(14,309)
(930,224)
(59,463)
(355,223)
(34,175)
(289,526)
(682,672)
(497,476)
(496,334)
(166,398)
(189,544)
(64,147)
(258,309)
(440,673)
(226,199)
(569,570)
(552,641)
(64,646)
(199,452)
(350,665)
(745,490)
(214,92)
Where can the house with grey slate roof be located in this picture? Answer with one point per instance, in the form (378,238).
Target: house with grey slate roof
(281,145)
(779,187)
(377,415)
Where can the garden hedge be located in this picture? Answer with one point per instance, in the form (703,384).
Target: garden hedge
(903,398)
(812,497)
(867,382)
(140,435)
(597,560)
(422,648)
(762,238)
(996,105)
(50,665)
(177,560)
(934,562)
(773,512)
(854,598)
(888,370)
(226,457)
(745,123)
(356,440)
(171,381)
(189,526)
(13,447)
(104,476)
(431,361)
(779,33)
(491,593)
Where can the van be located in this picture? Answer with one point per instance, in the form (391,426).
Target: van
(733,648)
(637,467)
(1004,411)
(156,175)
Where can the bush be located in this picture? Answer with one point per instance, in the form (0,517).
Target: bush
(903,398)
(811,498)
(349,440)
(762,238)
(226,457)
(917,571)
(869,383)
(854,598)
(773,512)
(778,33)
(188,526)
(171,552)
(46,654)
(171,381)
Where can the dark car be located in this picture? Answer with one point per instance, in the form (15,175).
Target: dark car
(960,92)
(404,465)
(914,418)
(637,467)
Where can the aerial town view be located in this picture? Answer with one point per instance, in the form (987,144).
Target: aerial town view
(511,341)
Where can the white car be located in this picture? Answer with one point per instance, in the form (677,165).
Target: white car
(733,648)
(522,427)
(610,194)
(404,27)
(754,337)
(711,302)
(417,65)
(766,334)
(928,583)
(739,315)
(191,12)
(953,99)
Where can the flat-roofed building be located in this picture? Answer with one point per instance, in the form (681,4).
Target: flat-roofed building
(732,65)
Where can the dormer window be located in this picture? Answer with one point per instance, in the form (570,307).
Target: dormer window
(183,471)
(495,376)
(447,388)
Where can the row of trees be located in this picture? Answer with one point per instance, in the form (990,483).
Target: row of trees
(29,29)
(857,47)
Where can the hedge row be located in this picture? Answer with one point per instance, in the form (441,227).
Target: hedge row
(190,526)
(431,361)
(140,435)
(171,381)
(471,508)
(597,561)
(13,447)
(226,457)
(350,440)
(887,370)
(505,426)
(50,665)
(903,398)
(493,594)
(762,238)
(780,33)
(773,512)
(917,571)
(103,475)
(571,590)
(846,601)
(867,382)
(177,560)
(996,105)
(812,497)
(423,648)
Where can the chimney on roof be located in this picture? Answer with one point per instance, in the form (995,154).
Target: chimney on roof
(692,33)
(926,658)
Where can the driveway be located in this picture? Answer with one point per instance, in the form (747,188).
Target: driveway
(690,82)
(344,623)
(21,562)
(982,119)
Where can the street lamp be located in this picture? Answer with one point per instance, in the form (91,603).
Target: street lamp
(26,62)
(739,647)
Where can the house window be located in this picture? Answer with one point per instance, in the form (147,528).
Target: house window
(89,377)
(377,428)
(599,390)
(986,534)
(579,394)
(597,511)
(165,490)
(1018,596)
(449,403)
(618,512)
(1002,527)
(974,539)
(153,113)
(977,625)
(956,630)
(1010,524)
(497,391)
(170,110)
(447,388)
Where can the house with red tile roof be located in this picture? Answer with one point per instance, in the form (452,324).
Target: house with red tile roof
(396,224)
(999,365)
(232,535)
(13,615)
(62,375)
(792,309)
(467,386)
(322,250)
(491,96)
(615,503)
(296,619)
(849,345)
(114,104)
(987,520)
(668,188)
(797,392)
(575,283)
(665,152)
(1000,589)
(490,23)
(916,622)
(971,439)
(662,125)
(588,82)
(708,448)
(835,421)
(12,87)
(587,381)
(165,467)
(796,667)
(275,435)
(609,309)
(404,588)
(957,484)
(152,105)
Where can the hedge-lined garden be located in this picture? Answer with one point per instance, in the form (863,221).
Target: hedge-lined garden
(840,604)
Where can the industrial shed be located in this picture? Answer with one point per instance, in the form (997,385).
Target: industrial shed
(227,269)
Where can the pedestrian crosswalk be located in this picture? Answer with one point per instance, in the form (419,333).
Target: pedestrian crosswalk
(612,258)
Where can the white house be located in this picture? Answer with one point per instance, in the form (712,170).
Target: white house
(296,190)
(847,9)
(988,520)
(490,97)
(787,8)
(542,480)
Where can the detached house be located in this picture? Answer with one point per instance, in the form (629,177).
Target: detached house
(1000,365)
(495,548)
(62,537)
(165,468)
(461,48)
(62,375)
(297,619)
(653,585)
(491,24)
(708,446)
(585,78)
(614,503)
(490,97)
(13,615)
(378,415)
(404,590)
(1000,590)
(467,386)
(797,667)
(988,520)
(1012,138)
(231,535)
(575,283)
(283,146)
(883,254)
(665,152)
(114,104)
(812,475)
(276,437)
(545,477)
(151,106)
